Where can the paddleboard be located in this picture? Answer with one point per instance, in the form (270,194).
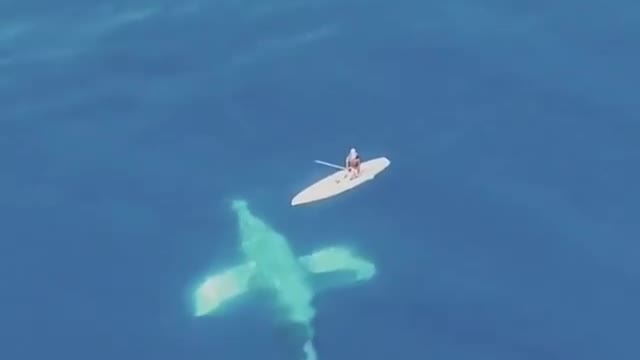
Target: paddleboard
(340,181)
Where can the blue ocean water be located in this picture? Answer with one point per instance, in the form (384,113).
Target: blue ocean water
(505,228)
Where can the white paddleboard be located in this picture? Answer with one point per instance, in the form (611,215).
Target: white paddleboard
(340,181)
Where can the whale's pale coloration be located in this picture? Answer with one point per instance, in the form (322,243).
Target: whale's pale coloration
(270,264)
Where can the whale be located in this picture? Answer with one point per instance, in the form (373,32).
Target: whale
(269,264)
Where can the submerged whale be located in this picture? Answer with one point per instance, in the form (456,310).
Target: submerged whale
(270,264)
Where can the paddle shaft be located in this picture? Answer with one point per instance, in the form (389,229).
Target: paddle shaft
(329,164)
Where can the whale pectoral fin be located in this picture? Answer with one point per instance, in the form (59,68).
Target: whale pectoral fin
(335,266)
(222,287)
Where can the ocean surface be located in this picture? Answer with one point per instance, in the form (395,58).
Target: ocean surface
(506,227)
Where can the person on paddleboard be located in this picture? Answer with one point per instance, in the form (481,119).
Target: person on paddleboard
(352,163)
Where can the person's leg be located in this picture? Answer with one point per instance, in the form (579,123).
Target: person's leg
(356,167)
(348,171)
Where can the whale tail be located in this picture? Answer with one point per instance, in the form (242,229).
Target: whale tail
(298,340)
(310,350)
(306,339)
